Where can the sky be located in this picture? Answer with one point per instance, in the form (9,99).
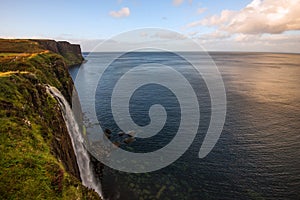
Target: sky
(231,25)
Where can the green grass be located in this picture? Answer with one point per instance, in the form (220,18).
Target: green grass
(19,46)
(9,54)
(71,59)
(28,169)
(45,67)
(30,121)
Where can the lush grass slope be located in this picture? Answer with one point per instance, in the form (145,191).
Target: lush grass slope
(19,46)
(70,53)
(36,161)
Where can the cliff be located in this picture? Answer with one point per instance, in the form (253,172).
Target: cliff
(71,52)
(37,157)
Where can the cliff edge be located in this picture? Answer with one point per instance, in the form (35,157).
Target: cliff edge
(37,157)
(71,52)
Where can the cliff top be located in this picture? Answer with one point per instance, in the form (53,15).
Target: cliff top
(24,47)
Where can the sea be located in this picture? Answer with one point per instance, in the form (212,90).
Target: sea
(257,155)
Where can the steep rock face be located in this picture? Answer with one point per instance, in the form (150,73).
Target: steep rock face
(50,45)
(38,109)
(72,52)
(65,47)
(37,157)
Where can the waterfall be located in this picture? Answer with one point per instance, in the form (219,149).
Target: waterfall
(83,160)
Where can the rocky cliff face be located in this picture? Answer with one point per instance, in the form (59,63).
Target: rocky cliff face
(37,157)
(71,52)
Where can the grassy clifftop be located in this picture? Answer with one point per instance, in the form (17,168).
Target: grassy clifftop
(37,160)
(71,53)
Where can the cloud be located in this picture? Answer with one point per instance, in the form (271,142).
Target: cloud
(216,35)
(177,2)
(215,20)
(268,39)
(201,10)
(123,12)
(270,42)
(168,35)
(143,34)
(258,17)
(162,35)
(193,33)
(257,43)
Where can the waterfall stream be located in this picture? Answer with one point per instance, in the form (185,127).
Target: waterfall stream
(83,160)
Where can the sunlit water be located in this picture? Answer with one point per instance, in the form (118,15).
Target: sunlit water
(257,155)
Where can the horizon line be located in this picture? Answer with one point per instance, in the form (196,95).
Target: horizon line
(213,51)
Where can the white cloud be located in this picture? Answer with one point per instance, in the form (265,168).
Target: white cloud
(123,12)
(270,42)
(244,38)
(216,35)
(216,20)
(168,35)
(192,34)
(258,43)
(258,17)
(143,34)
(162,35)
(177,2)
(201,10)
(213,20)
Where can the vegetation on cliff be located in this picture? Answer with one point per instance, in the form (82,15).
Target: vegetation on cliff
(71,53)
(37,160)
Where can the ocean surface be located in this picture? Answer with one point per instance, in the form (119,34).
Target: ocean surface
(258,153)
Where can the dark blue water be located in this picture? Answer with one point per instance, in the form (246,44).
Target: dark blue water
(257,155)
